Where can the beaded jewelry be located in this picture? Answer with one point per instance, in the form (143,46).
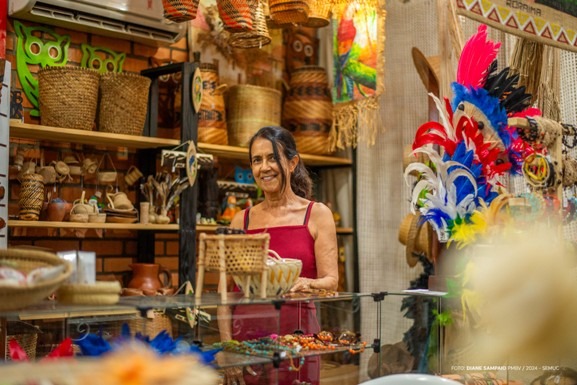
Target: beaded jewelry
(292,366)
(536,170)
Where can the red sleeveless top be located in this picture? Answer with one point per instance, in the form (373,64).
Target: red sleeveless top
(293,241)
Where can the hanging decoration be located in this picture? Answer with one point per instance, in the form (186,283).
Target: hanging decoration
(32,50)
(358,79)
(101,59)
(551,22)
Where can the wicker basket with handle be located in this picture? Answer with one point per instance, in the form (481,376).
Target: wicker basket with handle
(241,255)
(26,260)
(68,97)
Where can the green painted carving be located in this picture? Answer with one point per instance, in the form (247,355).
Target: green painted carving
(34,50)
(101,59)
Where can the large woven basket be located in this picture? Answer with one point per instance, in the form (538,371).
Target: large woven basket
(282,275)
(180,10)
(26,260)
(308,109)
(257,36)
(123,103)
(289,11)
(68,97)
(236,15)
(319,14)
(212,114)
(250,108)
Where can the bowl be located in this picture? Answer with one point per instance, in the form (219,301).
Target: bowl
(282,275)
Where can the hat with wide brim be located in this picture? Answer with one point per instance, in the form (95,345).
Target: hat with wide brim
(417,236)
(428,68)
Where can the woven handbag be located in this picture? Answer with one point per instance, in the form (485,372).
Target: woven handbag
(180,10)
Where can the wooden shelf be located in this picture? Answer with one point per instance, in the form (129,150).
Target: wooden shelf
(77,225)
(241,153)
(58,134)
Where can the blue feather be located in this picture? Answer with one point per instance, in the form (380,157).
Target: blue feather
(436,215)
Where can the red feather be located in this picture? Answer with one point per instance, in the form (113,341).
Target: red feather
(478,54)
(16,351)
(62,350)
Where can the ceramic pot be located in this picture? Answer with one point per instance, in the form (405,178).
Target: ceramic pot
(146,277)
(57,210)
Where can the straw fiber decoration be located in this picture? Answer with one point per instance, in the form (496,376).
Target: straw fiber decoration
(123,103)
(68,97)
(250,108)
(212,114)
(308,109)
(26,260)
(31,197)
(319,14)
(236,15)
(289,11)
(255,38)
(180,10)
(240,255)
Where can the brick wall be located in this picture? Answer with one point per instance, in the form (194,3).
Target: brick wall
(115,249)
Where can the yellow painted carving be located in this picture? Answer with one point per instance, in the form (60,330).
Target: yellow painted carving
(540,24)
(522,17)
(486,6)
(570,35)
(555,28)
(469,3)
(504,13)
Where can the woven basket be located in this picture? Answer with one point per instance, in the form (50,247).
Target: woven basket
(151,326)
(319,14)
(68,97)
(308,109)
(26,260)
(100,293)
(236,15)
(257,37)
(250,108)
(289,11)
(180,10)
(123,103)
(282,275)
(31,197)
(244,254)
(212,114)
(28,342)
(416,236)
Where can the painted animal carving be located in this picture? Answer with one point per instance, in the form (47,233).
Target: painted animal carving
(101,59)
(32,50)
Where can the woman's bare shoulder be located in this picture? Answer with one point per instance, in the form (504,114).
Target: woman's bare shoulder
(320,212)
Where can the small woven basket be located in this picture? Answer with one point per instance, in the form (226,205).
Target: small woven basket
(250,108)
(151,326)
(236,15)
(258,36)
(243,253)
(123,103)
(26,260)
(180,10)
(68,97)
(31,197)
(289,11)
(319,14)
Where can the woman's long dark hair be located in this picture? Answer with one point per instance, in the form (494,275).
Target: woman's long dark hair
(300,181)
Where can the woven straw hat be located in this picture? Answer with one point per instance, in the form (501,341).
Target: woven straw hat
(429,69)
(417,237)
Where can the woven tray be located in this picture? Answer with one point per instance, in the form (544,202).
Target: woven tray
(101,293)
(14,298)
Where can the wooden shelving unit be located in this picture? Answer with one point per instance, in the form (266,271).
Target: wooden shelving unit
(58,134)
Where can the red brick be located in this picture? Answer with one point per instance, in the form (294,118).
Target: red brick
(99,264)
(10,42)
(58,245)
(130,248)
(179,56)
(181,44)
(112,265)
(135,65)
(172,248)
(169,263)
(70,193)
(103,247)
(109,277)
(144,50)
(76,37)
(74,55)
(166,236)
(158,248)
(122,234)
(117,45)
(162,54)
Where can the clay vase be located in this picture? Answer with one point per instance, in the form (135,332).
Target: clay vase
(146,277)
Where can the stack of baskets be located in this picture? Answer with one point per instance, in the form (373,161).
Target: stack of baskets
(69,98)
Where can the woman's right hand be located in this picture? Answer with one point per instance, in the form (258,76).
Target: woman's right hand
(233,376)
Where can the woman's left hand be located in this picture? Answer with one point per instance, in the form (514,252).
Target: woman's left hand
(302,284)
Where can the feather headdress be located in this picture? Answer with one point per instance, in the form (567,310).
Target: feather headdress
(476,58)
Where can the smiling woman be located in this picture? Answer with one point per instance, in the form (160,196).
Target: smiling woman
(299,228)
